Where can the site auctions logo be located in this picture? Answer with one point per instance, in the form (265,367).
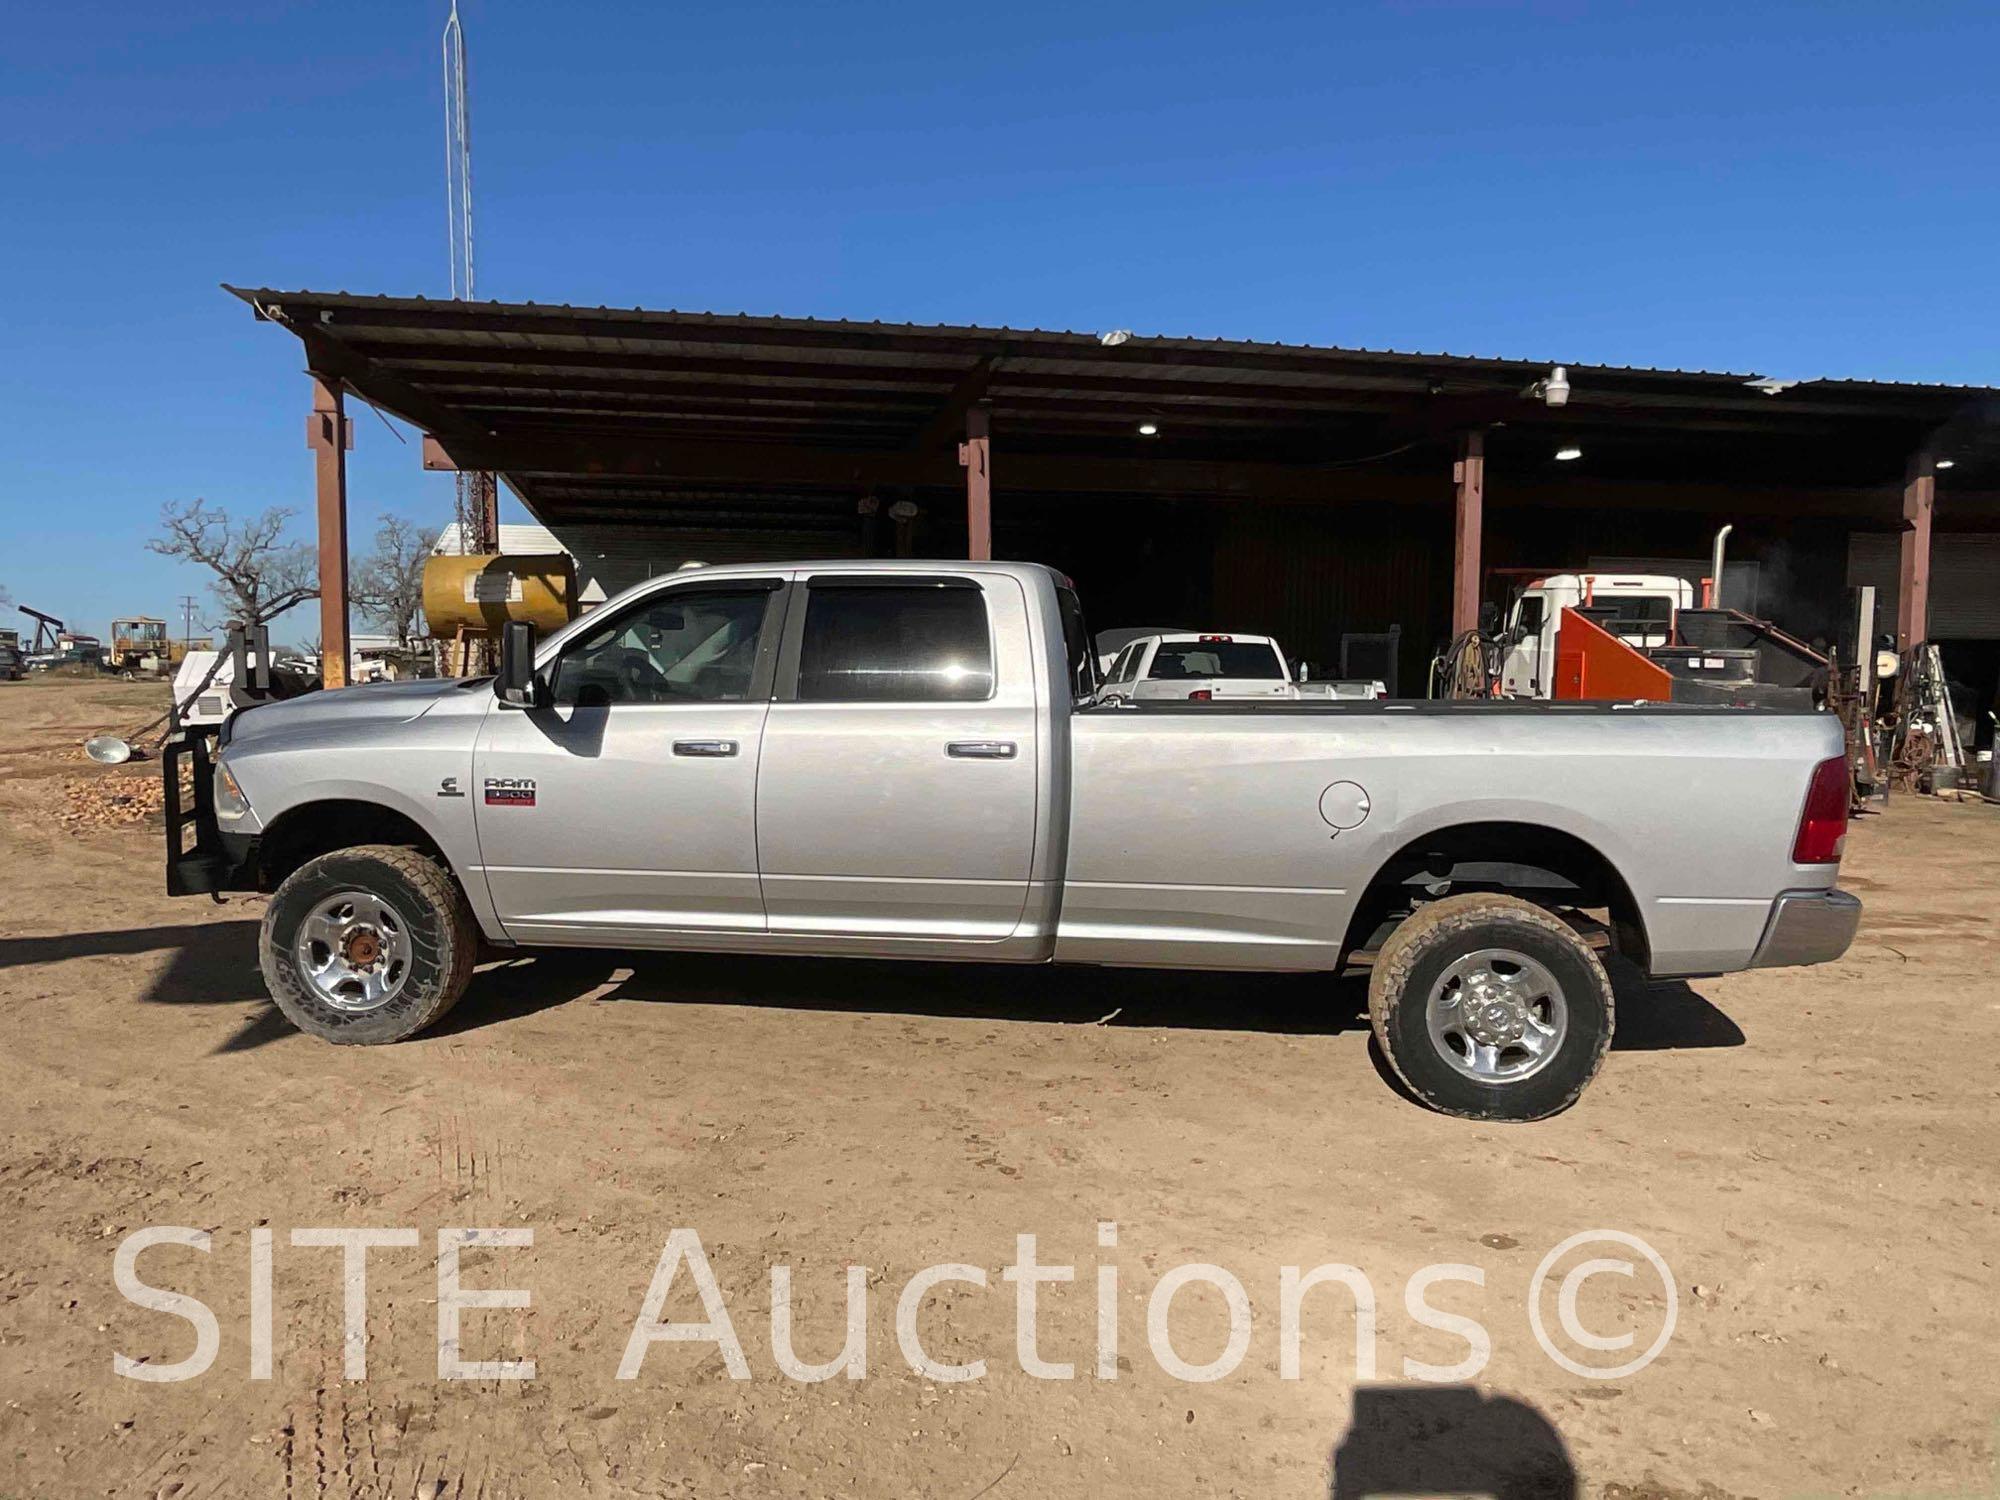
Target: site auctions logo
(683,1261)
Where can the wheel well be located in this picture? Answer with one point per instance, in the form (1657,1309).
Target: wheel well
(1543,865)
(315,828)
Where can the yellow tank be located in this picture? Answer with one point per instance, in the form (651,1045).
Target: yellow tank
(479,594)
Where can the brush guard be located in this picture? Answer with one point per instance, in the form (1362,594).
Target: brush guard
(197,862)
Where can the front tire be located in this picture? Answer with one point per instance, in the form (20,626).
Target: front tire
(1491,1008)
(367,945)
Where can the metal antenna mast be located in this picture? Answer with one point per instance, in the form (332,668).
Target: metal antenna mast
(457,159)
(478,494)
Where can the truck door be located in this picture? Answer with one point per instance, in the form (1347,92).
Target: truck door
(897,794)
(624,808)
(1525,655)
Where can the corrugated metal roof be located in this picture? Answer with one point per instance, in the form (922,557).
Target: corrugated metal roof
(660,320)
(609,414)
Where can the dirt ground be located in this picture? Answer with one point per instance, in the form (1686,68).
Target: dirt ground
(1811,1153)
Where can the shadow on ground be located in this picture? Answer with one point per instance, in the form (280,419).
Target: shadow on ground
(215,963)
(1449,1440)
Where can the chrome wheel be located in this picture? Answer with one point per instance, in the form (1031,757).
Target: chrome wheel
(354,950)
(1497,1015)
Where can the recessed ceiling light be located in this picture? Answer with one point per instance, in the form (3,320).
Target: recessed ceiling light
(1564,455)
(1149,429)
(1944,463)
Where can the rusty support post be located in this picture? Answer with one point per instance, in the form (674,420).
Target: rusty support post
(975,453)
(329,435)
(1469,475)
(486,508)
(1913,591)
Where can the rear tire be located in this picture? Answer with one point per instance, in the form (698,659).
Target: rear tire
(367,945)
(1491,1008)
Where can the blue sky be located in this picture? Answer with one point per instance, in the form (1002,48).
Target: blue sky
(1789,189)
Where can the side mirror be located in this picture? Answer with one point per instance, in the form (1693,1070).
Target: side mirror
(516,683)
(1489,618)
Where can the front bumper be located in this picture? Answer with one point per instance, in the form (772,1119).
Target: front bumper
(1808,927)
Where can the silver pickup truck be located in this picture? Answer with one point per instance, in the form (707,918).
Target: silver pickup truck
(902,759)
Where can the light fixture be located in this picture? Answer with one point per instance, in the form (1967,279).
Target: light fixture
(1149,429)
(1565,455)
(1945,463)
(1552,389)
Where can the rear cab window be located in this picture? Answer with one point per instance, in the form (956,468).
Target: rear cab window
(1180,661)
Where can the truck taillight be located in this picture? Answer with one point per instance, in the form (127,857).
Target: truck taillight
(1823,824)
(1201,695)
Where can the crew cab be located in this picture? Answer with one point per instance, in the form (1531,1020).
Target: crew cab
(905,759)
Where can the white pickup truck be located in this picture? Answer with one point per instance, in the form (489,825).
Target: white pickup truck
(1212,667)
(904,759)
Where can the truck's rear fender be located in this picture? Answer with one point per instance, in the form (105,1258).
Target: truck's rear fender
(1536,861)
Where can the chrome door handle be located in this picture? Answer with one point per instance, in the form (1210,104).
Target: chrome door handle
(980,749)
(704,747)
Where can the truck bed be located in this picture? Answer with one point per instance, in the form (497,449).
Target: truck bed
(1469,707)
(1247,835)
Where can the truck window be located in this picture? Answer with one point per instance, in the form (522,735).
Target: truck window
(1076,646)
(894,643)
(1181,660)
(685,646)
(1528,619)
(1648,612)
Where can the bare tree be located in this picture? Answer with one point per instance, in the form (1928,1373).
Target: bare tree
(258,574)
(389,583)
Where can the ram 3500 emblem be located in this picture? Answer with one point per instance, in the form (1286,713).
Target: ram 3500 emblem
(510,791)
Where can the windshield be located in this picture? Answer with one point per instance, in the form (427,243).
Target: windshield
(1180,660)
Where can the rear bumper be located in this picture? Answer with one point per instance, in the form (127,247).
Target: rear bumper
(1808,927)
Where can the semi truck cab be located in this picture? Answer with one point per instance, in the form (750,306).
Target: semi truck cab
(1643,607)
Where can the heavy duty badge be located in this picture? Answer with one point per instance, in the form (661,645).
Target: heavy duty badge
(510,791)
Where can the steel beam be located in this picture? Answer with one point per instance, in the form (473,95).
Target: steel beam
(975,453)
(964,396)
(328,435)
(1913,595)
(1468,523)
(647,463)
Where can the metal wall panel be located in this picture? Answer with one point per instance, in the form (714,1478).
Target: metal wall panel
(1965,580)
(1308,574)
